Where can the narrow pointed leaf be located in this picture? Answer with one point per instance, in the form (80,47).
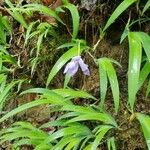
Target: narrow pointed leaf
(145,123)
(118,11)
(135,54)
(148,89)
(62,61)
(108,71)
(75,18)
(114,84)
(146,7)
(144,74)
(32,104)
(111,144)
(103,83)
(145,40)
(18,16)
(102,131)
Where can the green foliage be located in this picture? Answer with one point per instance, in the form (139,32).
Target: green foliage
(146,7)
(71,131)
(82,126)
(107,71)
(136,77)
(75,18)
(135,54)
(15,14)
(30,8)
(111,144)
(42,31)
(55,97)
(77,49)
(145,123)
(4,24)
(24,134)
(5,89)
(145,71)
(148,89)
(118,11)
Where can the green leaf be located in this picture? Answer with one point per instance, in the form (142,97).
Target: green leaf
(146,7)
(42,9)
(42,147)
(2,32)
(148,89)
(99,135)
(145,123)
(118,11)
(144,74)
(29,31)
(86,113)
(103,83)
(34,62)
(4,93)
(73,93)
(88,147)
(19,132)
(145,40)
(74,142)
(75,130)
(5,22)
(62,143)
(107,70)
(60,93)
(62,60)
(68,143)
(111,144)
(135,54)
(52,100)
(51,97)
(66,45)
(75,18)
(53,124)
(39,42)
(67,79)
(16,15)
(21,142)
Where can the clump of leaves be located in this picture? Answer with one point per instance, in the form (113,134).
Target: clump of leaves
(70,130)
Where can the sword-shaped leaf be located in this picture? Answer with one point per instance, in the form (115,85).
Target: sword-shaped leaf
(145,123)
(135,54)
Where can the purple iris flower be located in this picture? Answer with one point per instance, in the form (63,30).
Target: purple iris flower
(73,66)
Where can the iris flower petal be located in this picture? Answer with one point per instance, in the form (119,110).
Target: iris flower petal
(73,66)
(84,67)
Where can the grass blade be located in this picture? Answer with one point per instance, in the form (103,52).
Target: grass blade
(106,64)
(26,106)
(75,18)
(28,32)
(145,40)
(144,74)
(148,89)
(16,15)
(86,113)
(135,54)
(145,123)
(5,92)
(146,7)
(103,83)
(118,11)
(42,9)
(99,135)
(111,144)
